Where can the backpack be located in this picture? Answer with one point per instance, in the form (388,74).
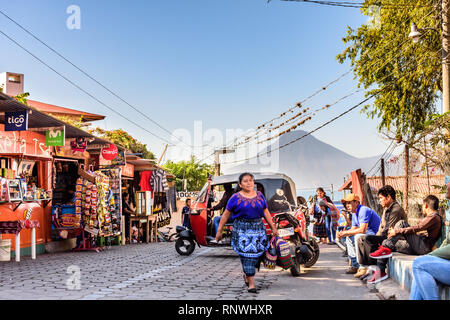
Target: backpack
(284,253)
(270,256)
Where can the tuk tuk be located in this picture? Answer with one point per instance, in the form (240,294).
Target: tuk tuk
(290,217)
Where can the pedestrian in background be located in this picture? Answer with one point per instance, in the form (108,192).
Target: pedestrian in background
(319,230)
(247,208)
(185,219)
(330,219)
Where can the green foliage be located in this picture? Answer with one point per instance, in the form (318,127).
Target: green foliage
(193,171)
(383,57)
(22,98)
(124,139)
(76,123)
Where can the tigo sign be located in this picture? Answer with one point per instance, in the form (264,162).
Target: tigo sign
(16,121)
(55,137)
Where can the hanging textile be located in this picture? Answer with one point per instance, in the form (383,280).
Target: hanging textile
(145,184)
(172,198)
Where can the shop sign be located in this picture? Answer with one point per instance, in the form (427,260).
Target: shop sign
(187,194)
(128,170)
(55,137)
(28,143)
(110,153)
(79,145)
(120,159)
(16,121)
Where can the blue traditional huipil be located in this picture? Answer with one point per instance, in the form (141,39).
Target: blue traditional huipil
(249,238)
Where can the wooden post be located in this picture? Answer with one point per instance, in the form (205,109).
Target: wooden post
(17,243)
(216,164)
(406,189)
(383,176)
(33,243)
(426,164)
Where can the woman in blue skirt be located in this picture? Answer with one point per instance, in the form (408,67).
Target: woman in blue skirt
(249,238)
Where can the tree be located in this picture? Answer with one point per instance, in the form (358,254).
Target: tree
(124,139)
(405,77)
(193,171)
(22,98)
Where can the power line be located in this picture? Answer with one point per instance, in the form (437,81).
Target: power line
(258,133)
(81,89)
(357,5)
(376,163)
(325,124)
(89,76)
(400,45)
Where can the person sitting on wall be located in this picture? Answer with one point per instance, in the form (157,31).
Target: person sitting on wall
(365,221)
(430,269)
(404,239)
(393,213)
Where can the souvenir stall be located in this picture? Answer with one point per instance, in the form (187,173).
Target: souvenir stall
(25,188)
(38,155)
(87,201)
(108,161)
(68,156)
(156,182)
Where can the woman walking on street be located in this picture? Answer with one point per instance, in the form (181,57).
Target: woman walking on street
(249,238)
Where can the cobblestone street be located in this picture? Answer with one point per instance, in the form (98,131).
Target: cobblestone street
(156,271)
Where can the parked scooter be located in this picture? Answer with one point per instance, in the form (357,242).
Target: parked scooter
(293,228)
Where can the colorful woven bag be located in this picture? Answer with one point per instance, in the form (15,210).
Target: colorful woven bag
(284,254)
(270,256)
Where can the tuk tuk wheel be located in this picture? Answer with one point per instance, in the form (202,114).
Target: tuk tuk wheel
(184,246)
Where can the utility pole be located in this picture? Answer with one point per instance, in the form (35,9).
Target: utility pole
(383,176)
(446,80)
(406,189)
(217,159)
(162,154)
(446,58)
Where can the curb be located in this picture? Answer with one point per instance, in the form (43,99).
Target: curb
(389,290)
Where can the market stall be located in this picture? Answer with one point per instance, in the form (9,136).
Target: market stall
(38,155)
(25,190)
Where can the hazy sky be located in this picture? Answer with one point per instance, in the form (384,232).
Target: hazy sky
(232,64)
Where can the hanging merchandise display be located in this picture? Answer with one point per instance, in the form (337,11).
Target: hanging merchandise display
(97,204)
(115,209)
(160,187)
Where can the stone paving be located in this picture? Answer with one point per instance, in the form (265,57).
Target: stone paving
(138,271)
(156,271)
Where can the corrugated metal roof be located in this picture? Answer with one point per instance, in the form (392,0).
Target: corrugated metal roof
(418,184)
(50,108)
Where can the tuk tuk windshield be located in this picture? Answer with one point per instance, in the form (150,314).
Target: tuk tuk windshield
(270,192)
(202,194)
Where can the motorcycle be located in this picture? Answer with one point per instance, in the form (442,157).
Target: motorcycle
(293,227)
